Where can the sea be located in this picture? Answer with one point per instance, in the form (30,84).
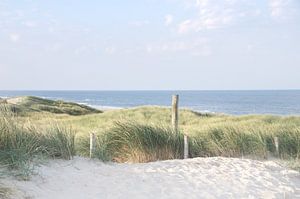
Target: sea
(278,102)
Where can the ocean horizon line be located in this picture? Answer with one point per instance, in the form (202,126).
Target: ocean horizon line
(137,90)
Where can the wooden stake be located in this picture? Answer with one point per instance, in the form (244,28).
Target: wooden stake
(175,99)
(92,144)
(276,142)
(186,147)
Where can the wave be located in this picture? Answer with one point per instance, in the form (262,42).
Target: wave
(105,107)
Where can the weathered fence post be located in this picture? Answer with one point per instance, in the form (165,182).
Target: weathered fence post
(186,147)
(92,144)
(175,99)
(276,142)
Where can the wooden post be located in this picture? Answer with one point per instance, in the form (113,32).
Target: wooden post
(276,142)
(175,99)
(92,144)
(186,147)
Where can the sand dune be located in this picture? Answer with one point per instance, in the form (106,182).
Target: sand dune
(193,178)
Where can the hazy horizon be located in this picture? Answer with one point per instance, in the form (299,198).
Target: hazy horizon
(150,45)
(156,90)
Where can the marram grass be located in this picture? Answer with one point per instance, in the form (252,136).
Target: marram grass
(20,144)
(133,142)
(149,137)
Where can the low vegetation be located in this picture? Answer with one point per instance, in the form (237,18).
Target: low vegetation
(20,144)
(142,134)
(135,142)
(132,142)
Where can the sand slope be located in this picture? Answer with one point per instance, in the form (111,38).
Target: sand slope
(193,178)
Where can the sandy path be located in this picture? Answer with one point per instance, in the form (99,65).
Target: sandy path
(194,178)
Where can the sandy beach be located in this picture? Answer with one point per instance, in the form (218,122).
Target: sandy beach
(172,99)
(193,178)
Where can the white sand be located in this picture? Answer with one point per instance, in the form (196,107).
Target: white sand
(193,178)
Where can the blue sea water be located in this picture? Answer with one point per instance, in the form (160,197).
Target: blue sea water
(281,102)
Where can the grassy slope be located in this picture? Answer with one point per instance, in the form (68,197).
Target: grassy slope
(223,135)
(190,123)
(211,134)
(85,124)
(34,104)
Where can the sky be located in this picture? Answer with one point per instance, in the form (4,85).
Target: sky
(149,44)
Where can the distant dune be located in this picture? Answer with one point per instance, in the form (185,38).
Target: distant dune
(27,104)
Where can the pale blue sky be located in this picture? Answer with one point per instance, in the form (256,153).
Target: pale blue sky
(149,44)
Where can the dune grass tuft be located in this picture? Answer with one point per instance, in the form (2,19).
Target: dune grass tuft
(20,144)
(58,142)
(229,141)
(133,142)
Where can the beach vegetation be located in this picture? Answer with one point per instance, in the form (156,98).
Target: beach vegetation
(143,134)
(21,143)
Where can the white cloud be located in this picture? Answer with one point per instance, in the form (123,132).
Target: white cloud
(14,37)
(275,7)
(168,19)
(209,15)
(199,47)
(186,26)
(281,8)
(207,22)
(212,14)
(202,2)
